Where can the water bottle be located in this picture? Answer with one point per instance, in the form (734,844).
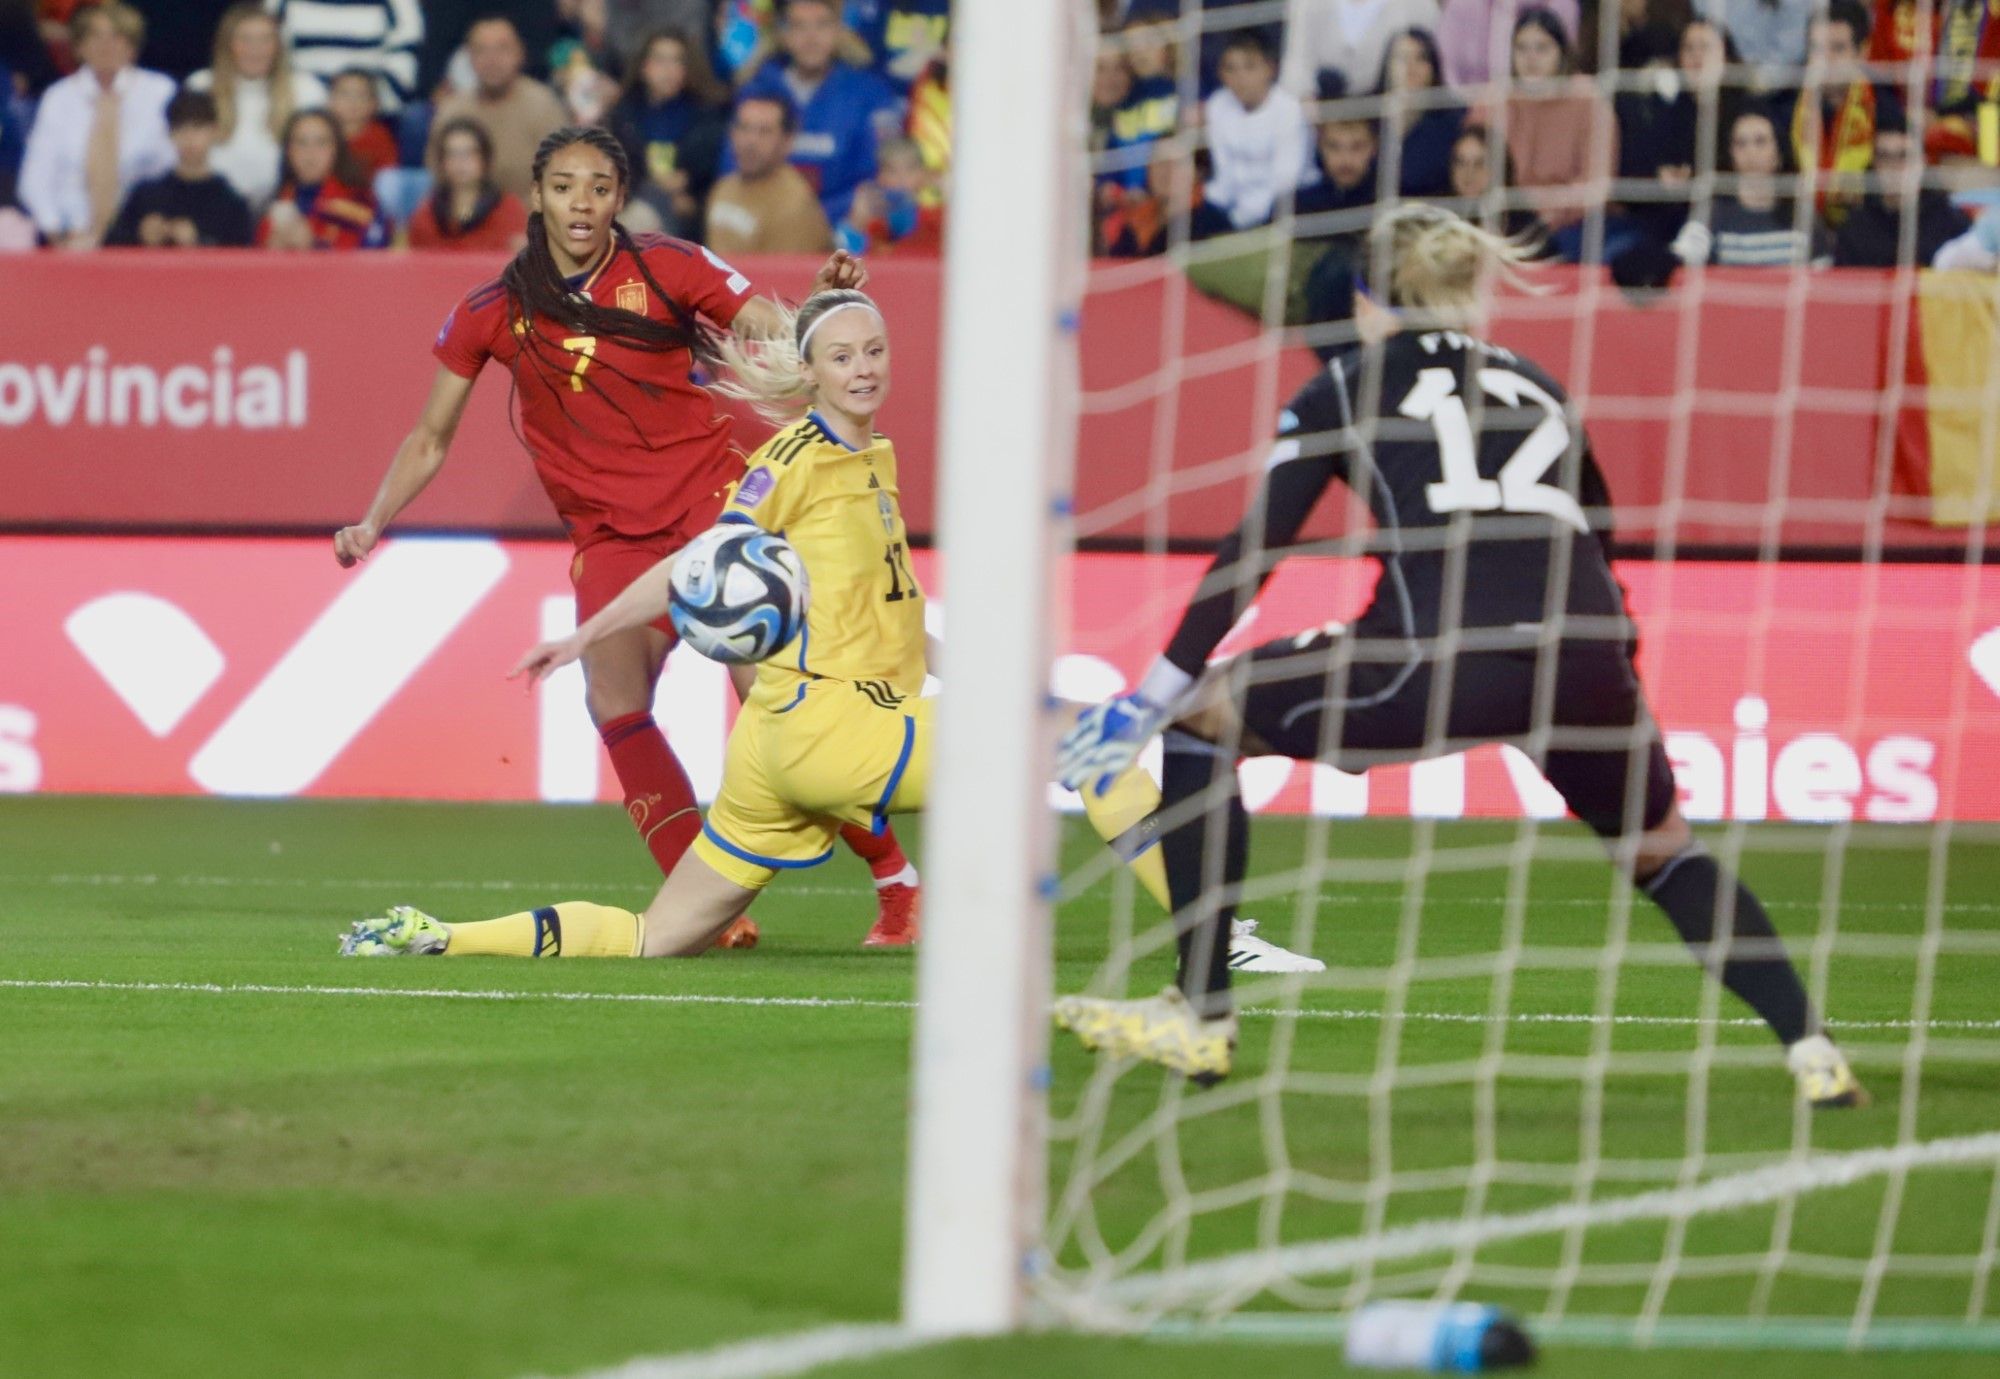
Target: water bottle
(1443,1338)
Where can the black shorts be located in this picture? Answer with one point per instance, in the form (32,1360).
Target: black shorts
(1357,703)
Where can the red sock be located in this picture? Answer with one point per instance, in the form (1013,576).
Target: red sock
(658,798)
(884,855)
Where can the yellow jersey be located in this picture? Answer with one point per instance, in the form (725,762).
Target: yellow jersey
(839,509)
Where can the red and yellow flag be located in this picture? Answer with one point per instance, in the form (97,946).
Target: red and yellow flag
(1948,436)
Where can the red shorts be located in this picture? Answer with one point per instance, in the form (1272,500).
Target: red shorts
(604,569)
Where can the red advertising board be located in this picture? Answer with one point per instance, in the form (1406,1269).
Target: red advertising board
(178,666)
(222,391)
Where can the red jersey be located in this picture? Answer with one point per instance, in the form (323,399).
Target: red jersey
(624,440)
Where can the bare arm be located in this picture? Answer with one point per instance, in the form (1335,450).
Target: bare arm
(643,601)
(417,462)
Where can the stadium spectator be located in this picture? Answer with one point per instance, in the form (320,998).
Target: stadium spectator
(899,211)
(577,77)
(324,201)
(671,122)
(467,209)
(1149,110)
(765,206)
(255,92)
(1642,31)
(1475,179)
(1420,118)
(1963,36)
(379,36)
(903,36)
(1137,224)
(1833,117)
(24,55)
(1110,88)
(352,98)
(843,110)
(1872,235)
(180,34)
(1345,151)
(1561,136)
(1977,250)
(1755,227)
(1256,136)
(440,60)
(1771,34)
(191,205)
(630,24)
(929,118)
(517,111)
(1474,37)
(1347,37)
(98,131)
(743,37)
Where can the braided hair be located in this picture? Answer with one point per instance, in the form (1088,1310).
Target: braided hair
(543,310)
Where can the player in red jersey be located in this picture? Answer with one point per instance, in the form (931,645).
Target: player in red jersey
(600,333)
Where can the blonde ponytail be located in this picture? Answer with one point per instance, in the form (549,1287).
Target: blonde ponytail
(768,371)
(1436,258)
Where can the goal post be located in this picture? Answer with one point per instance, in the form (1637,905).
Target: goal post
(1012,273)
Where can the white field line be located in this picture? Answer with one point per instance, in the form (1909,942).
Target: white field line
(1238,1272)
(1333,895)
(771,1357)
(691,998)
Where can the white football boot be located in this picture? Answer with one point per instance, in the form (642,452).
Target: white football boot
(1823,1075)
(1248,953)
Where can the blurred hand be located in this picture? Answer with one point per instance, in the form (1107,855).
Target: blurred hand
(1693,244)
(544,659)
(181,231)
(351,545)
(841,270)
(868,206)
(153,229)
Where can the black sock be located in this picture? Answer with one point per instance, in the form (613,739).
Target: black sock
(1204,897)
(1702,899)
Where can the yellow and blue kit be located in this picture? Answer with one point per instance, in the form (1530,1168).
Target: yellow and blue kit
(834,730)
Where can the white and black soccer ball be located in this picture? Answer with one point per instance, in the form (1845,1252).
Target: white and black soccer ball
(738,593)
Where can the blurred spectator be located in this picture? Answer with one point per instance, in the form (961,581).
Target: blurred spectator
(1110,88)
(902,35)
(517,111)
(24,56)
(1149,110)
(1977,250)
(1348,37)
(447,22)
(1872,235)
(180,34)
(379,36)
(929,120)
(1561,135)
(324,202)
(1769,33)
(671,122)
(1333,258)
(765,206)
(98,131)
(630,24)
(1474,179)
(1834,115)
(1962,35)
(467,209)
(1754,227)
(898,211)
(743,31)
(1641,35)
(586,90)
(1420,118)
(191,205)
(1256,135)
(352,98)
(1475,36)
(1345,150)
(1137,224)
(843,110)
(255,92)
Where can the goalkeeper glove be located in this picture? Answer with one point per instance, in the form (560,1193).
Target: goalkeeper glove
(1108,737)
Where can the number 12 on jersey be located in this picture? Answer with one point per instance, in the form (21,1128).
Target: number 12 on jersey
(1519,486)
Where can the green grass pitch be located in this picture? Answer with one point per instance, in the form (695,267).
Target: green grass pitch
(337,1183)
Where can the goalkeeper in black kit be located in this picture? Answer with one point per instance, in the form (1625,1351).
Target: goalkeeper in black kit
(1496,619)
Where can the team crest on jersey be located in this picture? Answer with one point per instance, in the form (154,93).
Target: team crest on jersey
(632,298)
(888,513)
(756,486)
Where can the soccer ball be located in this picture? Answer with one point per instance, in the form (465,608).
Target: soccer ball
(737,593)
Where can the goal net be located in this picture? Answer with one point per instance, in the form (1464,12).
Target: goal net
(1511,1084)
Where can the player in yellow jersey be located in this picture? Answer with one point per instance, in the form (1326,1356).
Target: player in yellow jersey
(835,730)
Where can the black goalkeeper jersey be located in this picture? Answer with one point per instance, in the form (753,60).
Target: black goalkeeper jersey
(1491,517)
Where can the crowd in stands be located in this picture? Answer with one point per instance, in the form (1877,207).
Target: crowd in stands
(1638,133)
(759,125)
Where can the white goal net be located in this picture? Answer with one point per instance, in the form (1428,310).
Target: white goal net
(1511,1084)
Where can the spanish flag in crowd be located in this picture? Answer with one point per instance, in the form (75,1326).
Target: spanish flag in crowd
(1948,432)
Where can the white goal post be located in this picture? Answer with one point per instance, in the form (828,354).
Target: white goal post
(1012,285)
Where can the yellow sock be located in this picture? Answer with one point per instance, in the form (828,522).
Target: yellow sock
(1122,817)
(573,929)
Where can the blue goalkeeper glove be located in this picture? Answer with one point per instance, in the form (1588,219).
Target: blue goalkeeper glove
(1106,740)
